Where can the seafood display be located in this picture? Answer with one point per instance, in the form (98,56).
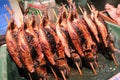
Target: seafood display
(46,46)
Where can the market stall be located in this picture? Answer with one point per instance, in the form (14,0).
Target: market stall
(53,40)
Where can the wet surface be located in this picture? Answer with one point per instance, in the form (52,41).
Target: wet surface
(105,70)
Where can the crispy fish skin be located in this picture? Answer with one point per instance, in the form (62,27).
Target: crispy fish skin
(12,45)
(24,50)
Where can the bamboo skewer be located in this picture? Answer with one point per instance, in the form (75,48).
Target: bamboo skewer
(89,7)
(55,75)
(54,13)
(68,67)
(78,68)
(10,11)
(93,68)
(6,17)
(81,9)
(114,59)
(96,64)
(63,74)
(29,76)
(66,10)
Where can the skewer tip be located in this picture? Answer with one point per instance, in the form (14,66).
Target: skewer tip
(54,13)
(96,64)
(114,59)
(6,17)
(63,75)
(89,7)
(78,68)
(95,73)
(55,75)
(68,67)
(81,9)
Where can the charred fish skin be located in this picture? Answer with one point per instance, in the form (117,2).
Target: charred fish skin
(74,37)
(91,26)
(12,45)
(71,21)
(46,46)
(24,50)
(61,61)
(34,41)
(58,45)
(62,37)
(101,29)
(59,51)
(62,29)
(36,52)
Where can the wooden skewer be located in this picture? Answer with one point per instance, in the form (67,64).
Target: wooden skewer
(11,12)
(55,75)
(78,68)
(114,59)
(103,11)
(96,64)
(66,10)
(63,75)
(81,9)
(29,76)
(54,13)
(68,67)
(41,79)
(6,17)
(93,68)
(89,7)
